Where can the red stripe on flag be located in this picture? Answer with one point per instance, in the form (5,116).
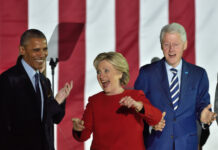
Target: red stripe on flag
(71,69)
(13,22)
(183,12)
(127,34)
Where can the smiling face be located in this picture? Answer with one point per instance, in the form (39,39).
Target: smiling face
(173,48)
(109,78)
(35,52)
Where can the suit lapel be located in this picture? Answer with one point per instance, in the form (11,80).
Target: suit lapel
(162,76)
(25,78)
(27,84)
(45,94)
(185,83)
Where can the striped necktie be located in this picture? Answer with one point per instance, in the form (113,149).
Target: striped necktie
(174,89)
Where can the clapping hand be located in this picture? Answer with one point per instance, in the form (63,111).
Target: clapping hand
(64,92)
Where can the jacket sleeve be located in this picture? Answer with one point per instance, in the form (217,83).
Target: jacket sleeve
(140,81)
(151,114)
(203,97)
(6,112)
(55,111)
(88,123)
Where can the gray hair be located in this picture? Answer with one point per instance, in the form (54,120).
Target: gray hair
(173,28)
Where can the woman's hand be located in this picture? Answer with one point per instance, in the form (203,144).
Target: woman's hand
(78,125)
(131,103)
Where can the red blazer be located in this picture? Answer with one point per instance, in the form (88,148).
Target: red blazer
(116,127)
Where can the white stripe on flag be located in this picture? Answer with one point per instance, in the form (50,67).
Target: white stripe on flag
(152,17)
(100,37)
(207,52)
(43,15)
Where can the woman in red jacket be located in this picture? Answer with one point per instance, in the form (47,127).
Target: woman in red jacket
(115,115)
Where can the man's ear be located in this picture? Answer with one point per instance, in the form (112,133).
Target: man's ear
(185,45)
(21,50)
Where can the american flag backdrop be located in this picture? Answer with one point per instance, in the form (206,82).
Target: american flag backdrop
(131,27)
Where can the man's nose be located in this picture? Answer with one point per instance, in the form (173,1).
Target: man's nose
(172,46)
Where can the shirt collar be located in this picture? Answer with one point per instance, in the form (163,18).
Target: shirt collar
(30,71)
(178,67)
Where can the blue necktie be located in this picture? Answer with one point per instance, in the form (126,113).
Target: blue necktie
(38,93)
(174,89)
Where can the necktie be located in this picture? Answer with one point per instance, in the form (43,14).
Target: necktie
(38,93)
(174,89)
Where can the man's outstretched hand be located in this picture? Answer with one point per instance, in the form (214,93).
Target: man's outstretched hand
(64,92)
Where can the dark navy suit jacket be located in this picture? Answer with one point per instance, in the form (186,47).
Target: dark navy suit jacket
(180,129)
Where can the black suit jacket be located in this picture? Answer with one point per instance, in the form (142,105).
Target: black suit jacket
(21,127)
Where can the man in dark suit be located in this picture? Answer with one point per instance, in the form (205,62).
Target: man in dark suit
(180,90)
(27,108)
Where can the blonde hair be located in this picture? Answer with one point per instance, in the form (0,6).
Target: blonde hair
(118,61)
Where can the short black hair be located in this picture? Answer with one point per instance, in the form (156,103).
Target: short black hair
(30,33)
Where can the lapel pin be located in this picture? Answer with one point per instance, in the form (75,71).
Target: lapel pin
(186,72)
